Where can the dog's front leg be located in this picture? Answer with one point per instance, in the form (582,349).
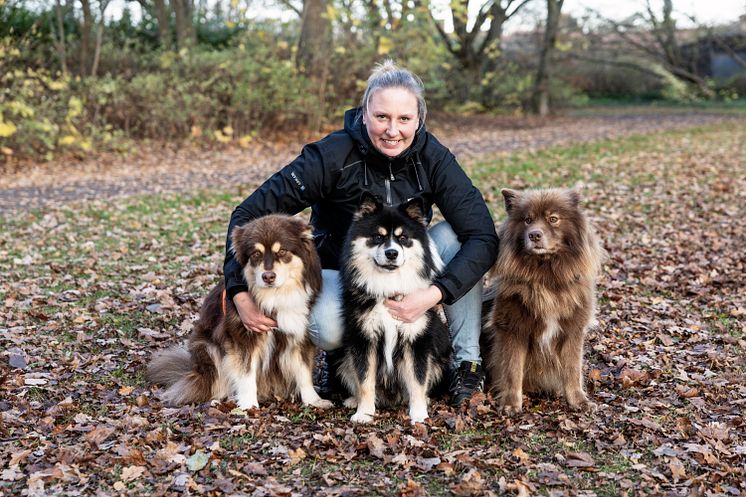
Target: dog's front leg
(295,366)
(512,368)
(571,371)
(416,386)
(365,376)
(243,378)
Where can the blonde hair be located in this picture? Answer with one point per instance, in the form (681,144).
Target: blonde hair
(388,75)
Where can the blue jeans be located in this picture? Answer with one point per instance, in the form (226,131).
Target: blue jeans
(464,316)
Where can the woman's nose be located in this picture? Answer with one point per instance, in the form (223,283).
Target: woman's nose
(391,129)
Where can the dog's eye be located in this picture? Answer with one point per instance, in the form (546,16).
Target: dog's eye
(377,238)
(255,255)
(282,253)
(528,220)
(553,219)
(403,238)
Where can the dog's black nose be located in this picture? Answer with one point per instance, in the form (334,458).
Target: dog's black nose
(391,254)
(268,277)
(535,235)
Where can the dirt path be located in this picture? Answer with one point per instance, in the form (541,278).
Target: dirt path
(163,169)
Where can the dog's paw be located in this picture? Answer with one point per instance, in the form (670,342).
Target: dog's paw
(245,404)
(322,404)
(361,418)
(417,415)
(584,405)
(511,409)
(413,420)
(578,401)
(350,402)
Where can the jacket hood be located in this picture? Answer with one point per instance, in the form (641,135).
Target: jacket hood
(353,125)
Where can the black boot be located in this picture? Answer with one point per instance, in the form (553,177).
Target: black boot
(330,387)
(466,380)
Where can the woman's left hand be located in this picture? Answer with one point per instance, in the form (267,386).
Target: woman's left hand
(413,306)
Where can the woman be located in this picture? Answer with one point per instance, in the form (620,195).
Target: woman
(385,149)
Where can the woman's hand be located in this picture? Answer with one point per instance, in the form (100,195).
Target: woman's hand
(409,308)
(251,315)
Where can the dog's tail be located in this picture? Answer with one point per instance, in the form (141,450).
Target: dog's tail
(190,376)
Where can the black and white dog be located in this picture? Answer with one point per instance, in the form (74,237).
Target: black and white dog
(387,254)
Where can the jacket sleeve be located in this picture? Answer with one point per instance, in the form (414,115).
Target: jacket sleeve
(295,187)
(463,206)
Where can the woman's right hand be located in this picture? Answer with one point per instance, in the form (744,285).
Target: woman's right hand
(251,315)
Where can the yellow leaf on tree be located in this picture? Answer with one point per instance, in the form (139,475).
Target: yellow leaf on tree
(331,12)
(6,129)
(67,140)
(228,131)
(57,85)
(76,107)
(385,45)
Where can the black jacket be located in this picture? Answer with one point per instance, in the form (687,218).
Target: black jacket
(330,176)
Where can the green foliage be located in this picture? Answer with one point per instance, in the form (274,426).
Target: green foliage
(241,77)
(199,91)
(215,95)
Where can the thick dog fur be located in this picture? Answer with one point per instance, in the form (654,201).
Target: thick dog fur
(283,273)
(545,298)
(389,253)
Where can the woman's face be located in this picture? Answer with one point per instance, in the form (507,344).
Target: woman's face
(392,120)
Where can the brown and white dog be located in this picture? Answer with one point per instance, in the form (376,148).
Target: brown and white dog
(283,273)
(545,298)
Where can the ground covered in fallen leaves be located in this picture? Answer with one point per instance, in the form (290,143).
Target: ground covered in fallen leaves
(90,289)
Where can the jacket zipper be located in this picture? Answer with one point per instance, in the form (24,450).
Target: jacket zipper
(388,185)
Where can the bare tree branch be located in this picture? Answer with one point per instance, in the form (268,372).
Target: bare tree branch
(288,4)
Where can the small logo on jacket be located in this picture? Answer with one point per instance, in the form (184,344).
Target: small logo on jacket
(298,181)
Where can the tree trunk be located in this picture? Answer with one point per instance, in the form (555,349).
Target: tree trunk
(85,36)
(59,38)
(99,36)
(314,46)
(163,17)
(541,87)
(184,23)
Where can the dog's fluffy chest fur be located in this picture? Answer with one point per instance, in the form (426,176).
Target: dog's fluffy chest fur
(289,308)
(377,323)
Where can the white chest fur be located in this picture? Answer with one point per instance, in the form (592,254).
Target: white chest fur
(290,309)
(378,323)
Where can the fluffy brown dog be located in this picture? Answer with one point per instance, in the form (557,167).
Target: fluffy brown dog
(283,273)
(545,298)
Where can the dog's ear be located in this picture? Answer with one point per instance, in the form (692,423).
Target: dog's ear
(574,198)
(307,232)
(239,236)
(415,209)
(369,204)
(510,197)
